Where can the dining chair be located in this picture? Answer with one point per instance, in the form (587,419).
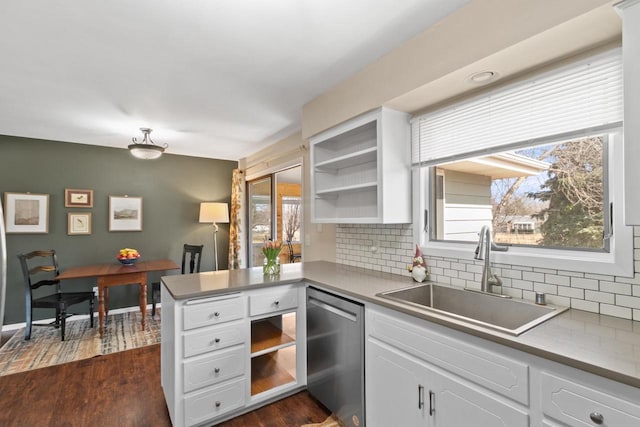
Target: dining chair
(195,254)
(35,266)
(293,256)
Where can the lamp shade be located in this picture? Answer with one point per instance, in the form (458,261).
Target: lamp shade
(214,212)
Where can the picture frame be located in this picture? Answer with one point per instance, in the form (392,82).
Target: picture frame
(26,213)
(78,223)
(76,198)
(125,213)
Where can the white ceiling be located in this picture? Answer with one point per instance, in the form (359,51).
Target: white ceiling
(213,78)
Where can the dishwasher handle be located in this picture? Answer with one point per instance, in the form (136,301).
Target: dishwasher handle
(333,309)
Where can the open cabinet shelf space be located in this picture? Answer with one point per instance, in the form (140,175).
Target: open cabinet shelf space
(267,337)
(346,188)
(361,170)
(272,370)
(367,155)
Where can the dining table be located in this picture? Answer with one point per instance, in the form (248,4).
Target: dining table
(117,274)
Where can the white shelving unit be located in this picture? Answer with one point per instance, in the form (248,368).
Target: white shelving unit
(361,170)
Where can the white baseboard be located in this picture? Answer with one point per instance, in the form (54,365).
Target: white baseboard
(15,326)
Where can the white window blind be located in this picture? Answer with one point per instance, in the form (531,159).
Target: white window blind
(583,96)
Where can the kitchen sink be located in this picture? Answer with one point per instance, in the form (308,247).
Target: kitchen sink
(505,315)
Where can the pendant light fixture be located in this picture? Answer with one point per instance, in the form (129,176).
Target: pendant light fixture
(146,149)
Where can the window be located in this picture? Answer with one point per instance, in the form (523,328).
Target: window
(550,195)
(535,161)
(291,216)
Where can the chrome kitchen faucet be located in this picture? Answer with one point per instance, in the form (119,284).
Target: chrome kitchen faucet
(483,252)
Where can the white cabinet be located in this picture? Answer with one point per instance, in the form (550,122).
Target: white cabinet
(395,388)
(420,373)
(278,359)
(408,386)
(576,405)
(228,354)
(360,170)
(408,392)
(204,357)
(630,12)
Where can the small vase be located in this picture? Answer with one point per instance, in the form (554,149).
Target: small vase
(271,267)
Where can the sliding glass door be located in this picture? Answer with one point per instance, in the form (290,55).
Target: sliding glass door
(275,213)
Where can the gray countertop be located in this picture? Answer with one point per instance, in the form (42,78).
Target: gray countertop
(603,345)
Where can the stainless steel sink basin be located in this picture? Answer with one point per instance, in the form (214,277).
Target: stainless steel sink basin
(506,315)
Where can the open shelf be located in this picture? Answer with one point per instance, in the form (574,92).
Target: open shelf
(345,188)
(272,370)
(368,155)
(267,336)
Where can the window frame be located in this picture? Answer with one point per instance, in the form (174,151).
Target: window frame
(618,261)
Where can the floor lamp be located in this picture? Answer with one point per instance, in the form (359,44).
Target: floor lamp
(214,213)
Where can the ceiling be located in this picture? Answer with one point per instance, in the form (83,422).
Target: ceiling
(212,78)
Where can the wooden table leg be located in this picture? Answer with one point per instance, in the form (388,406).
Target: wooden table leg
(143,302)
(101,289)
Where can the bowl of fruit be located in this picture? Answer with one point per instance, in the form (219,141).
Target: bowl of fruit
(128,256)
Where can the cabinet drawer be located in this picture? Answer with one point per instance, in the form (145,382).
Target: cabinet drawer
(276,299)
(214,338)
(207,404)
(220,366)
(484,367)
(210,312)
(575,404)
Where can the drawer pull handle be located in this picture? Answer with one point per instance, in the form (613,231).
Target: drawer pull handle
(216,370)
(218,404)
(217,340)
(276,303)
(596,417)
(216,315)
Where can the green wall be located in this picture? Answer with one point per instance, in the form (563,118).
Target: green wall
(171,189)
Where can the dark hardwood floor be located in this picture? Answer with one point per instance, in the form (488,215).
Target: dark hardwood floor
(120,389)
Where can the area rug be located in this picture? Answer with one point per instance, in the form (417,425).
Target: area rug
(122,332)
(332,421)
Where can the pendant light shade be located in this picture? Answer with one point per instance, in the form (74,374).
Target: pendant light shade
(146,149)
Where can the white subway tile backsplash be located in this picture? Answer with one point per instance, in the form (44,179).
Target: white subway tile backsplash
(544,270)
(513,274)
(615,288)
(521,284)
(534,277)
(557,280)
(599,277)
(571,292)
(617,311)
(578,282)
(605,294)
(580,304)
(545,288)
(626,301)
(603,297)
(558,300)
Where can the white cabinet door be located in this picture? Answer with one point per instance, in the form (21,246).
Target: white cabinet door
(403,391)
(395,388)
(455,403)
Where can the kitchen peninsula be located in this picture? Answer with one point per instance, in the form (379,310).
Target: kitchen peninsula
(576,357)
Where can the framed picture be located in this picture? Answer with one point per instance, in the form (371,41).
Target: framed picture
(78,223)
(26,213)
(78,198)
(125,213)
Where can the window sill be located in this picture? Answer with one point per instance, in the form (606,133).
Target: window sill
(613,264)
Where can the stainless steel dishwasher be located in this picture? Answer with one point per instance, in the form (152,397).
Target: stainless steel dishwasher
(335,355)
